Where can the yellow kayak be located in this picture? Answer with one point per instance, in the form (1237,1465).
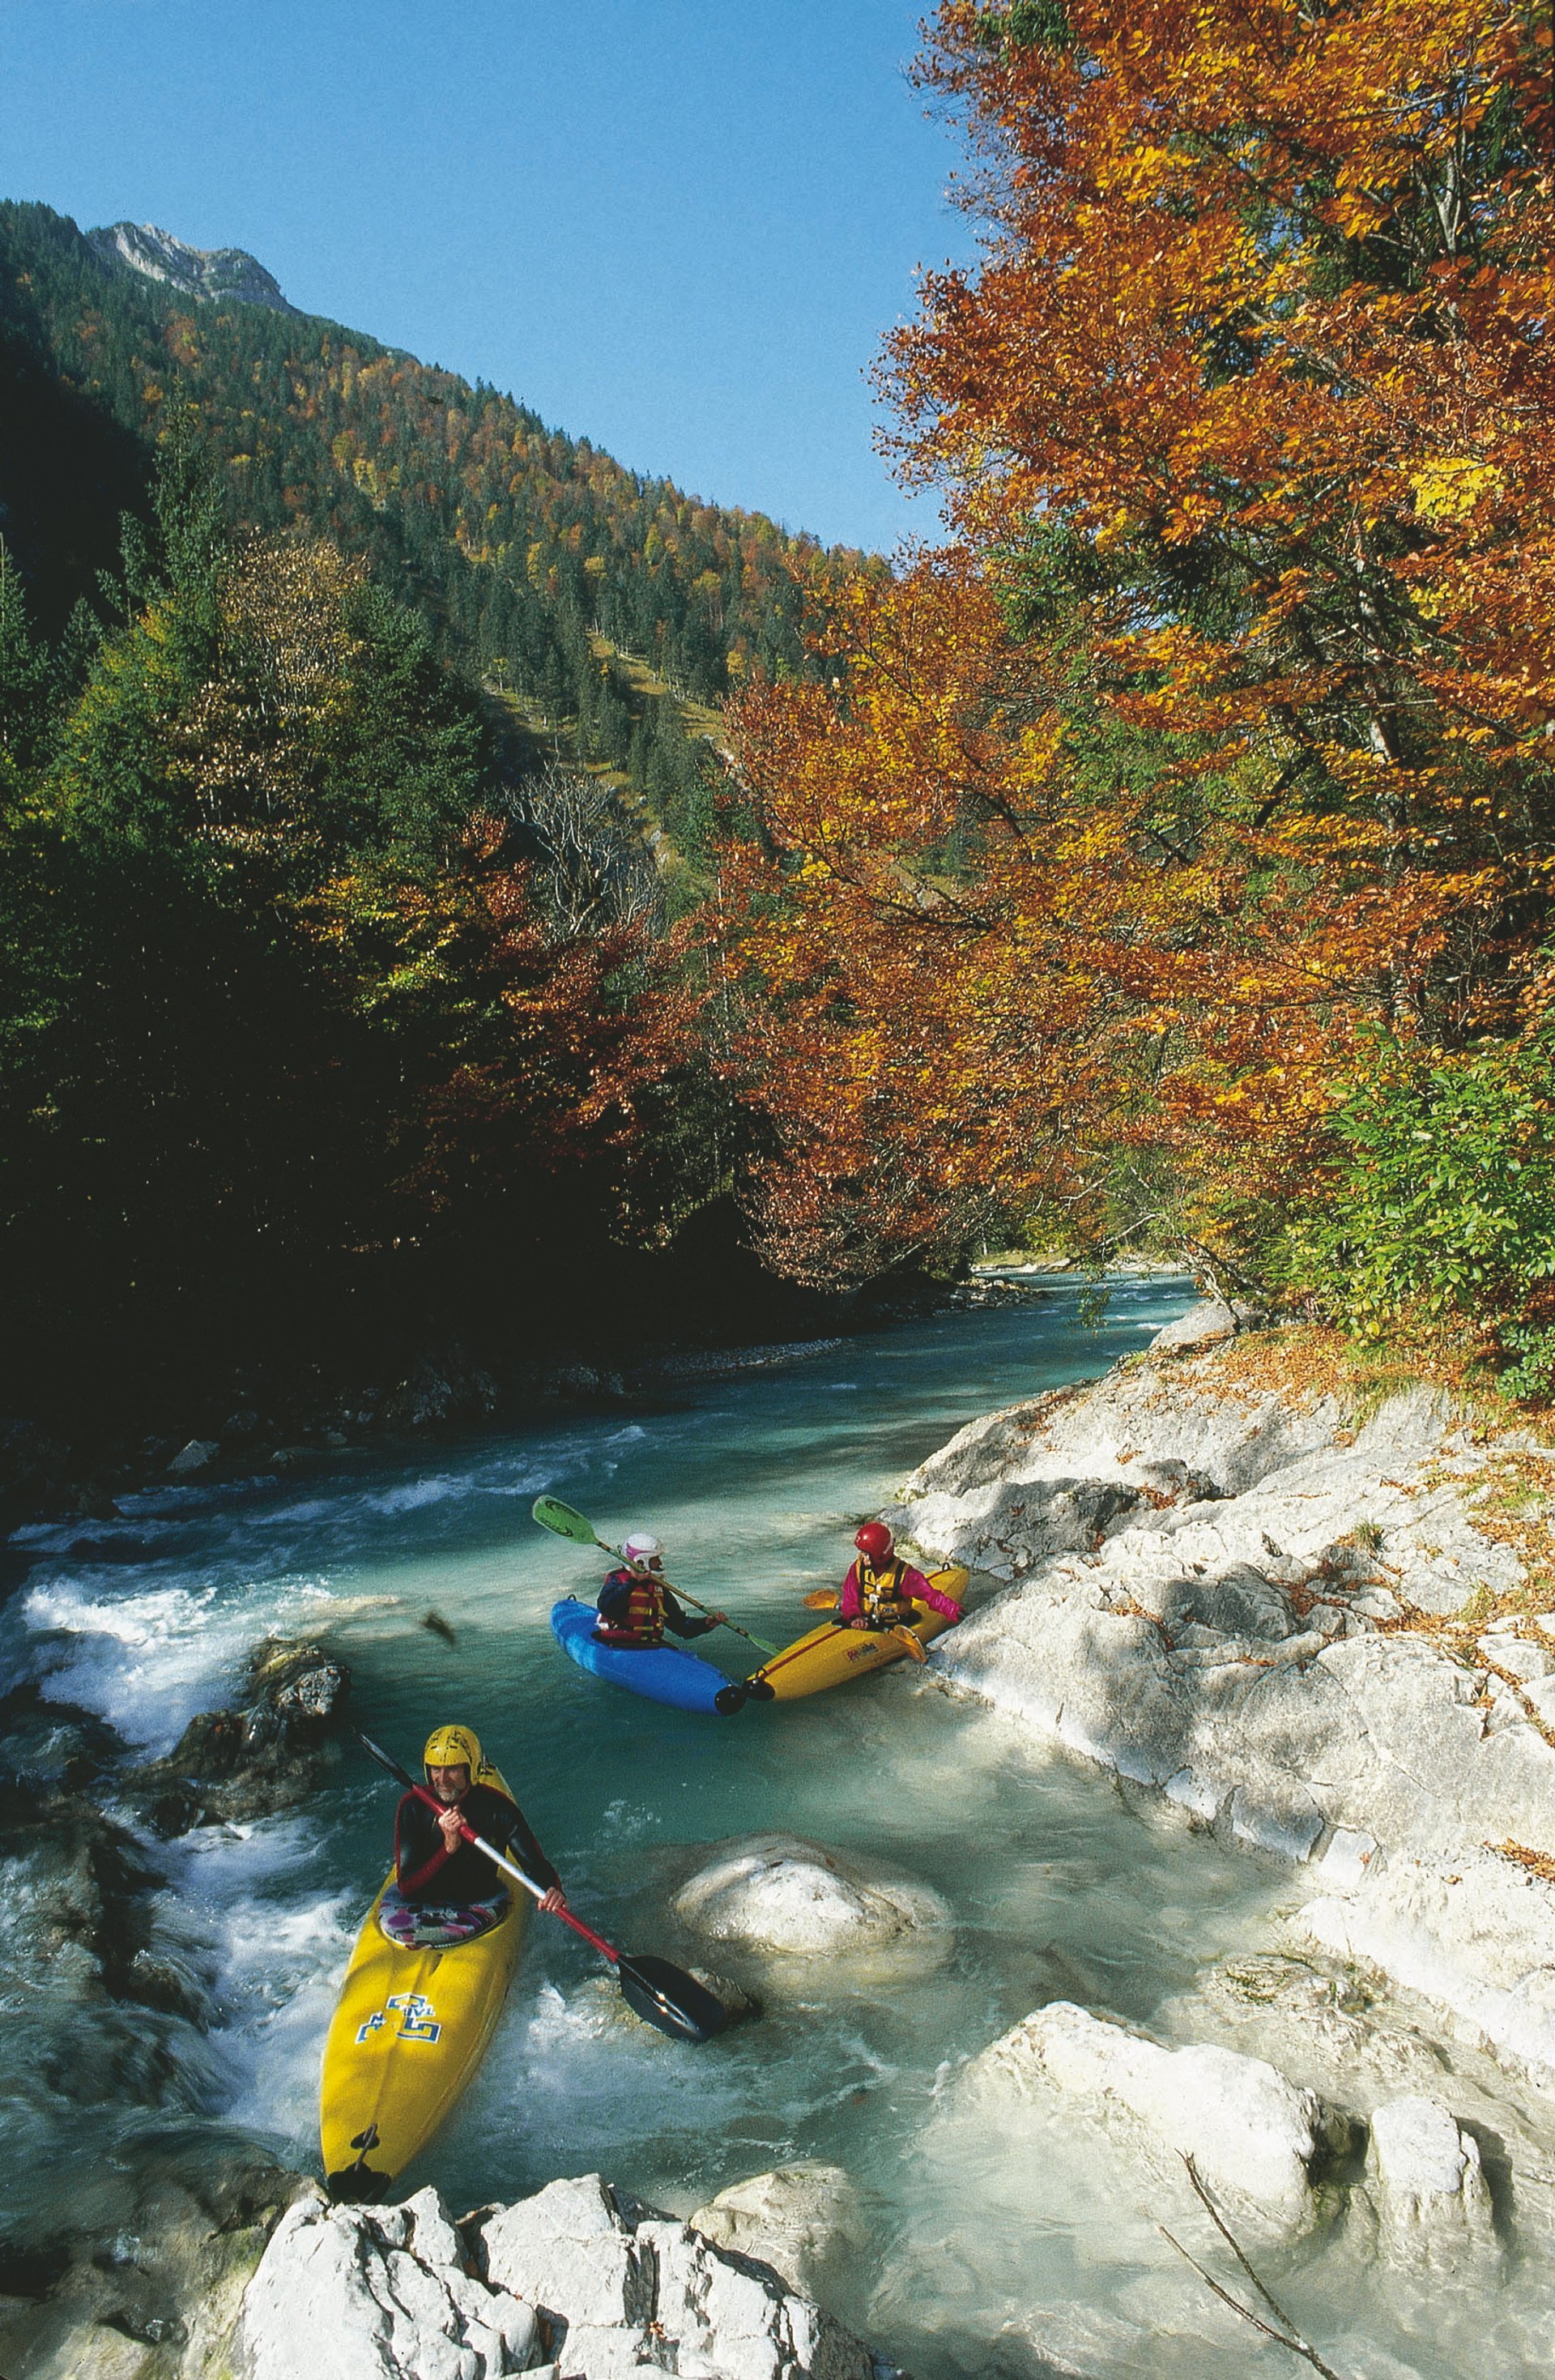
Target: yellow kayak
(831,1655)
(409,2030)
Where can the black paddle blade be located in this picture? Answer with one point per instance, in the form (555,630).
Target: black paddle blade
(672,2000)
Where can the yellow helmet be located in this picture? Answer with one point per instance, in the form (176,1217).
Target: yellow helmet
(447,1746)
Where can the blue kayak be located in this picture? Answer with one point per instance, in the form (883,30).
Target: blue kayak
(664,1675)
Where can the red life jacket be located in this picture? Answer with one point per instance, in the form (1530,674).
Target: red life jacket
(643,1628)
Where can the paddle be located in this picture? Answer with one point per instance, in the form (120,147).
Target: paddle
(826,1598)
(661,1993)
(560,1518)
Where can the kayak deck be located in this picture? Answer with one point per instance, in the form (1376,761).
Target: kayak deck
(408,2032)
(834,1653)
(664,1674)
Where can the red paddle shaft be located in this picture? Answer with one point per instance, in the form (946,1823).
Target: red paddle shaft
(509,1867)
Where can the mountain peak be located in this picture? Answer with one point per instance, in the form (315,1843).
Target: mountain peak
(229,274)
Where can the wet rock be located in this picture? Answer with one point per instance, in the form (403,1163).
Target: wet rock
(436,1395)
(265,1754)
(577,2278)
(51,1747)
(197,1455)
(1432,2199)
(806,2220)
(1258,2143)
(178,2241)
(776,1893)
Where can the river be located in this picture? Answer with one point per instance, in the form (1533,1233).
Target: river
(1056,1886)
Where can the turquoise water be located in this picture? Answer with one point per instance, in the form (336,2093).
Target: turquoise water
(1054,1884)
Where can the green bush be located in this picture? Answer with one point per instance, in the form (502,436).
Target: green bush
(1445,1210)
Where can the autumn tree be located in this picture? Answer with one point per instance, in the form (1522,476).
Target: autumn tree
(1221,731)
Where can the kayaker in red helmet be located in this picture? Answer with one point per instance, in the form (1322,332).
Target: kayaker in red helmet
(637,1602)
(445,1890)
(880,1589)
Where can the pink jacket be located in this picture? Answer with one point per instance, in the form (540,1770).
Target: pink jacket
(913,1584)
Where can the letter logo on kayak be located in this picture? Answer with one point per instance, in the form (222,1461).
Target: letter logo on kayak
(418,2019)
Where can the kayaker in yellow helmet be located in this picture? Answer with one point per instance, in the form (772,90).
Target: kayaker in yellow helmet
(445,1890)
(880,1589)
(637,1602)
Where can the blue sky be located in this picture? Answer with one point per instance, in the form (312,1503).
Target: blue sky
(679,226)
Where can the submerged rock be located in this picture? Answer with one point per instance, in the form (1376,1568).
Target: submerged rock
(155,2290)
(778,1895)
(577,2280)
(806,2220)
(1258,2143)
(1432,2199)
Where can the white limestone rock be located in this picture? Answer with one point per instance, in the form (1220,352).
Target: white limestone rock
(804,2219)
(576,2281)
(1474,1934)
(1223,1646)
(776,1894)
(378,2293)
(1256,2141)
(618,2287)
(1203,1325)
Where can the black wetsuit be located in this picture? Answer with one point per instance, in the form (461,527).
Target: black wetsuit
(428,1871)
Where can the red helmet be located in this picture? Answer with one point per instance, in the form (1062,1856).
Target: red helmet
(874,1541)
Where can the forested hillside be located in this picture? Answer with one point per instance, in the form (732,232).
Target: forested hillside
(532,557)
(341,1014)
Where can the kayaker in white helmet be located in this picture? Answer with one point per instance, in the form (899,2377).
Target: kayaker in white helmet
(637,1602)
(445,1890)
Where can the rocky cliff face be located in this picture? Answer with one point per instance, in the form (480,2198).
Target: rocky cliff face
(1295,1626)
(227,275)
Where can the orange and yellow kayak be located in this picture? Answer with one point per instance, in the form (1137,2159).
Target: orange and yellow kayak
(831,1655)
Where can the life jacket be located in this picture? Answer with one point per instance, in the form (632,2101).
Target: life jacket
(643,1627)
(880,1592)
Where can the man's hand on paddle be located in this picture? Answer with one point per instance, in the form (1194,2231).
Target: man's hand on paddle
(554,1903)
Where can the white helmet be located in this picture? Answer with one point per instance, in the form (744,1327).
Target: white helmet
(642,1545)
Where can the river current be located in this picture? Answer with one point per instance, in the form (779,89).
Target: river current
(987,2253)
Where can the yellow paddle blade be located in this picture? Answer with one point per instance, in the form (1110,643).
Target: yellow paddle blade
(822,1598)
(910,1645)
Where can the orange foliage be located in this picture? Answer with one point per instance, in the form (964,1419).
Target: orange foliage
(1223,727)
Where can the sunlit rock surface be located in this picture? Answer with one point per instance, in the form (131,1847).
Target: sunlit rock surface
(1256,2140)
(575,2281)
(1235,1635)
(778,1896)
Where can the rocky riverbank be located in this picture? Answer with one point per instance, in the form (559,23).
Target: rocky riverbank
(1314,1613)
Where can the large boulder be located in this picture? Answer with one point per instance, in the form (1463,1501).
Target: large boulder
(806,2220)
(1258,2143)
(576,2280)
(781,1899)
(379,2293)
